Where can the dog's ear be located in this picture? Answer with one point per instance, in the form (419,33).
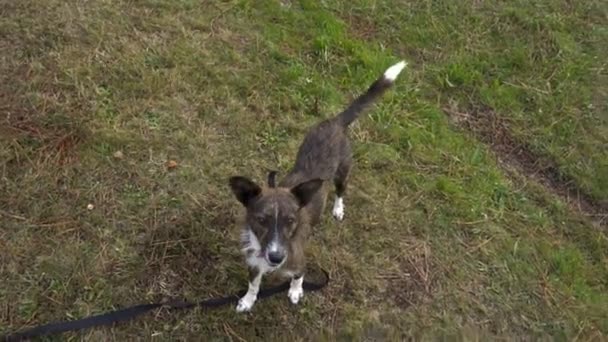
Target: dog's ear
(305,191)
(244,189)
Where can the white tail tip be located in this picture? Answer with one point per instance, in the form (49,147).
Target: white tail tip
(394,71)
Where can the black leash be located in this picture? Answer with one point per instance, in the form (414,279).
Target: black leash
(122,315)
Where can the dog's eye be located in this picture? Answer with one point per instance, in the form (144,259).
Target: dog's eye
(261,220)
(290,220)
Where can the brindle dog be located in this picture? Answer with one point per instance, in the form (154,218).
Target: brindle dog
(279,217)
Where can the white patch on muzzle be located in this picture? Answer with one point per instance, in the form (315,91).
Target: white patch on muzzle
(252,249)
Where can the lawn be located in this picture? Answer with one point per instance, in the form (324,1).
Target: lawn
(478,204)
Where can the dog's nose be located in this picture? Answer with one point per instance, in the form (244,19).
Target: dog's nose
(276,258)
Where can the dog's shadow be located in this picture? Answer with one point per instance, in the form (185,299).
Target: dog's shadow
(192,256)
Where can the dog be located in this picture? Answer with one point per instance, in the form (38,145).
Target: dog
(279,217)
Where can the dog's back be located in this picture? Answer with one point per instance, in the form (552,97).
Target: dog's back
(325,152)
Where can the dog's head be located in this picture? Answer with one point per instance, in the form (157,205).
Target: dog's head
(273,214)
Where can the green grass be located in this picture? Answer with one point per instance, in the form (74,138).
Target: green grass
(438,240)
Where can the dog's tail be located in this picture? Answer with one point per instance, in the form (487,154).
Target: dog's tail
(377,88)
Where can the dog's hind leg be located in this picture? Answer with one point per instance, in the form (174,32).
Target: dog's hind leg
(340,181)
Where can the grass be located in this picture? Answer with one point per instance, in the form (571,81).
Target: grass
(439,241)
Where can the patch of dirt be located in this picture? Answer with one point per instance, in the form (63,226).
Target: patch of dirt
(55,144)
(35,123)
(176,262)
(416,281)
(361,27)
(518,157)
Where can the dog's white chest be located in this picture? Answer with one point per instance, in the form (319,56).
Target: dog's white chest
(259,262)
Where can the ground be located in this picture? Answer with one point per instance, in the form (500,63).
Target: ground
(478,202)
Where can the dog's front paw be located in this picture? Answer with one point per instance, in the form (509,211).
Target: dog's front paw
(338,210)
(295,294)
(245,304)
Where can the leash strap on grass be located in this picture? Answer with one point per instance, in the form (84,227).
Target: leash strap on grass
(122,315)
